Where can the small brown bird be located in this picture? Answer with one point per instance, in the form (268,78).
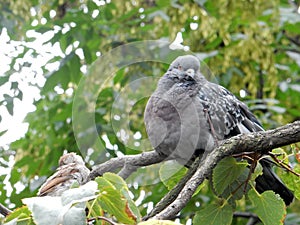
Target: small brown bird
(71,169)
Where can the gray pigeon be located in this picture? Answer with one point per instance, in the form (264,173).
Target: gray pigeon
(188,116)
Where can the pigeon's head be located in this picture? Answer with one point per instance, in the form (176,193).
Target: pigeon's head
(185,63)
(70,158)
(184,68)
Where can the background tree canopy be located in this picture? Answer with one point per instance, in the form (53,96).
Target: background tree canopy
(252,47)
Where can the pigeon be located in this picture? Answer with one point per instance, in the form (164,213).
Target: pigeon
(71,170)
(187,116)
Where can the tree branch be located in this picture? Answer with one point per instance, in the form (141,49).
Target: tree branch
(172,195)
(260,142)
(128,163)
(4,211)
(253,218)
(176,199)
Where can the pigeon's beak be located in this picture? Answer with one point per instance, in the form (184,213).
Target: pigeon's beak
(186,75)
(175,73)
(191,73)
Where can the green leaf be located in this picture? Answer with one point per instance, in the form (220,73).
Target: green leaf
(9,103)
(3,80)
(61,76)
(20,214)
(214,214)
(4,131)
(118,182)
(291,180)
(112,201)
(121,185)
(268,206)
(75,69)
(14,85)
(170,173)
(163,3)
(226,172)
(87,55)
(281,155)
(237,189)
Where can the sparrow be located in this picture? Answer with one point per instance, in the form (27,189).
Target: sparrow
(71,169)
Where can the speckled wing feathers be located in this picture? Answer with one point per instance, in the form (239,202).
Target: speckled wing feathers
(228,115)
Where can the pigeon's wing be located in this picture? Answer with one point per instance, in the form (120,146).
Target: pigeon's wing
(229,117)
(226,115)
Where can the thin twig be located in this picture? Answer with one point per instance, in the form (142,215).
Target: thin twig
(102,218)
(245,215)
(4,211)
(253,218)
(282,164)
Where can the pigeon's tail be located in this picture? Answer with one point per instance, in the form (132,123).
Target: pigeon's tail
(270,181)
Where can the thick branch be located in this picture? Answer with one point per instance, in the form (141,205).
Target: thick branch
(4,211)
(260,142)
(128,163)
(172,195)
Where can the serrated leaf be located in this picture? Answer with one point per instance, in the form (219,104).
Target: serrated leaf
(214,214)
(268,206)
(121,185)
(112,201)
(116,180)
(226,172)
(237,189)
